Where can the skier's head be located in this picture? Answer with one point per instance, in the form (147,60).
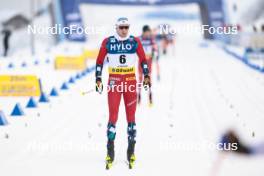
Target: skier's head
(122,27)
(146,31)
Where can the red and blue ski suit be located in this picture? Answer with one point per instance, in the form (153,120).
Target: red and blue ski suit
(122,57)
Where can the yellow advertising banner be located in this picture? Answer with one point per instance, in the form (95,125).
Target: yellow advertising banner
(70,62)
(91,54)
(19,85)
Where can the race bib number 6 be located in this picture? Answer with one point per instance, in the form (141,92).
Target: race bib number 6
(122,59)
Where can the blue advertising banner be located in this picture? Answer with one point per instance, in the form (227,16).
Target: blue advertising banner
(212,13)
(72,21)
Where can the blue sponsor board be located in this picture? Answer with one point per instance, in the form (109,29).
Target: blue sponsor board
(72,21)
(212,13)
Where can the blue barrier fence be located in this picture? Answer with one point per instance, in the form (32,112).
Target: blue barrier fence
(244,59)
(18,110)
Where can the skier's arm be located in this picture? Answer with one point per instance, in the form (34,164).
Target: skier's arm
(99,66)
(142,57)
(143,63)
(155,53)
(100,59)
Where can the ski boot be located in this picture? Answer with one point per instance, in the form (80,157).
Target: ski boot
(111,133)
(131,131)
(164,51)
(130,154)
(110,154)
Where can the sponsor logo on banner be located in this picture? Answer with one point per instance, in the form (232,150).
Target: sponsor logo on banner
(19,85)
(70,62)
(91,53)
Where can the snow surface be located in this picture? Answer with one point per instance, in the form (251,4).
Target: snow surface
(203,92)
(200,95)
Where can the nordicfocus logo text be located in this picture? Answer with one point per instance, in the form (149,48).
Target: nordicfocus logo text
(228,30)
(124,87)
(66,30)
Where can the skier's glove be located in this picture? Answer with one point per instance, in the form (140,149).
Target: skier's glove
(98,81)
(99,85)
(145,68)
(146,82)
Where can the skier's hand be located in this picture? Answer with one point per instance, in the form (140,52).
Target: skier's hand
(146,82)
(99,85)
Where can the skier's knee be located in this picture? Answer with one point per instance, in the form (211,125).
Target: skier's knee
(111,131)
(131,131)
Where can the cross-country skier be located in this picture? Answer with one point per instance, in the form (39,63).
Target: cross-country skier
(121,51)
(7,33)
(165,39)
(151,51)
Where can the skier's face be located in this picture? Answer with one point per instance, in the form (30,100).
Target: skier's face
(147,34)
(122,31)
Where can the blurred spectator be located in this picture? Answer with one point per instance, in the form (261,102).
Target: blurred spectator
(7,34)
(262,28)
(230,137)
